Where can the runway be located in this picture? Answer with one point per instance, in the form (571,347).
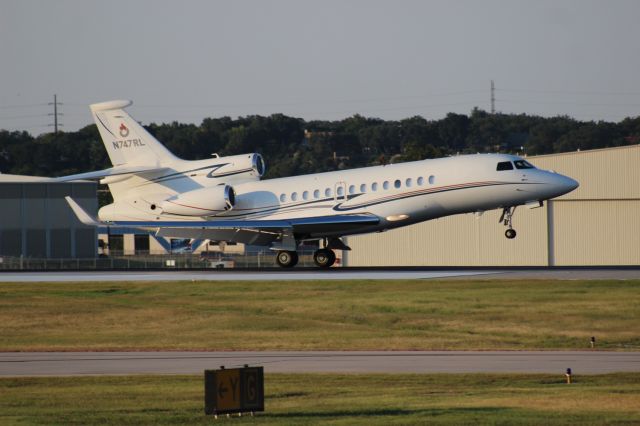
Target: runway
(332,274)
(13,364)
(232,275)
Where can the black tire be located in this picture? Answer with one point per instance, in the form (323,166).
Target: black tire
(324,258)
(287,259)
(510,233)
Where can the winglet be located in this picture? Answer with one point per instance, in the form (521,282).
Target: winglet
(82,215)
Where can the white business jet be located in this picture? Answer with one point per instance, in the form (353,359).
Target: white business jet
(223,198)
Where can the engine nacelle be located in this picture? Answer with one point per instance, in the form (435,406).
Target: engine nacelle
(239,166)
(210,201)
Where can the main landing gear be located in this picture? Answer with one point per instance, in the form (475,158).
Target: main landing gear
(324,258)
(287,259)
(507,219)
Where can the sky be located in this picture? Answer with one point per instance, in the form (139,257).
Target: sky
(324,59)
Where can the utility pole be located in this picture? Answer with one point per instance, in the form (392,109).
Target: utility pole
(55,114)
(493,98)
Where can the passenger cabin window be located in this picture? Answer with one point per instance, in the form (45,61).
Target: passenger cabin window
(363,188)
(283,198)
(305,195)
(327,192)
(397,183)
(316,193)
(432,179)
(352,189)
(374,186)
(504,165)
(385,185)
(408,182)
(522,164)
(294,196)
(420,181)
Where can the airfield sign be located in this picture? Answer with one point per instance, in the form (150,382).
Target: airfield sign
(234,390)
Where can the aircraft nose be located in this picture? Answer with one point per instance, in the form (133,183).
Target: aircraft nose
(570,184)
(565,184)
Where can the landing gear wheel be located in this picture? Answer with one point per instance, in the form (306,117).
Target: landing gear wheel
(324,258)
(287,259)
(507,219)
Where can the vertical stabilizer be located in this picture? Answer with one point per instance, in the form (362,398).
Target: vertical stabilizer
(126,141)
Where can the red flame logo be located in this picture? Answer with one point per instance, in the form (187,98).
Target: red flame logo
(124,132)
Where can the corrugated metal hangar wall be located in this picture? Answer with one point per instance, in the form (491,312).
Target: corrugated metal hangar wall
(36,221)
(597,224)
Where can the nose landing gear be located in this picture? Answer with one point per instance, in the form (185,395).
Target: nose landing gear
(507,219)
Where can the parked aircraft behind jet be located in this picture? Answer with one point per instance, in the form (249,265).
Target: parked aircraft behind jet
(223,198)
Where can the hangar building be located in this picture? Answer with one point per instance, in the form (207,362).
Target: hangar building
(36,221)
(597,224)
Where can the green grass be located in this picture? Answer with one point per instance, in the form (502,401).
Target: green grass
(306,315)
(330,399)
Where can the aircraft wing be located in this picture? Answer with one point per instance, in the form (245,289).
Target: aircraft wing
(306,225)
(113,171)
(258,232)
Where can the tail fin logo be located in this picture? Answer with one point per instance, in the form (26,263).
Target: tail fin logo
(124,131)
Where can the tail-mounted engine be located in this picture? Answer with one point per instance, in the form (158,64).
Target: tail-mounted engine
(209,201)
(244,165)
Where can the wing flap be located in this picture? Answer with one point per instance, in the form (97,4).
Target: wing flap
(337,223)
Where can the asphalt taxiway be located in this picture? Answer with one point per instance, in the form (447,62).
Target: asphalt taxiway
(14,364)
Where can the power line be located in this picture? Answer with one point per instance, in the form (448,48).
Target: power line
(21,106)
(572,92)
(11,117)
(311,101)
(562,102)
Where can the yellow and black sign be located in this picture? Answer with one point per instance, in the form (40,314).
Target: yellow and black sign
(236,390)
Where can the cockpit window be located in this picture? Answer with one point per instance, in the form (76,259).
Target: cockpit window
(522,164)
(504,165)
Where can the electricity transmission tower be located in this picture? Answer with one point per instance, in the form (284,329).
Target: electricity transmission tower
(55,114)
(493,98)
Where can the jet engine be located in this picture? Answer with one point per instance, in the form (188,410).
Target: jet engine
(242,166)
(210,201)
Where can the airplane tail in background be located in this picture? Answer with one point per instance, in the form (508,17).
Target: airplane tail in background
(126,141)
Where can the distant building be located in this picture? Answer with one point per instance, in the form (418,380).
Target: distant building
(310,134)
(36,221)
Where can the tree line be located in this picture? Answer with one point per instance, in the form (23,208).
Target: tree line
(293,146)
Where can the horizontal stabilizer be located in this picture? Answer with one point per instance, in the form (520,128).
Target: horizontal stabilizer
(23,178)
(113,171)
